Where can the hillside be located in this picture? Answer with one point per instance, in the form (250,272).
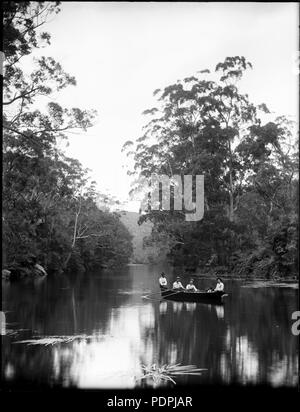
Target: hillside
(141,254)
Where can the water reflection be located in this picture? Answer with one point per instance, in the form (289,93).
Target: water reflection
(109,360)
(190,306)
(177,306)
(220,311)
(163,306)
(247,340)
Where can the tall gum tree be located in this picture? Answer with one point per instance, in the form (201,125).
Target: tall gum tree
(203,124)
(49,206)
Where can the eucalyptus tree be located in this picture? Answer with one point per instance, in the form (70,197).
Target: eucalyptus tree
(49,203)
(204,124)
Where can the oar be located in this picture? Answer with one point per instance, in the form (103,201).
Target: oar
(171,294)
(151,294)
(155,293)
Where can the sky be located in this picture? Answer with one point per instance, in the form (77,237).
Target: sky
(121,52)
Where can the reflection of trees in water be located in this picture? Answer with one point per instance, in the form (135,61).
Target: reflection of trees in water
(178,336)
(57,306)
(246,340)
(111,360)
(259,343)
(29,365)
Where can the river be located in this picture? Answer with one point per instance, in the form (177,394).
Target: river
(99,329)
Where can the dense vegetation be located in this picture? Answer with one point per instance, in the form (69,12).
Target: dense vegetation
(205,125)
(144,249)
(50,213)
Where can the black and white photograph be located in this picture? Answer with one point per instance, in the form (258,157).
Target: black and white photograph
(150,200)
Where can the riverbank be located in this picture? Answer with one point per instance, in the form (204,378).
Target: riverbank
(257,282)
(289,279)
(21,272)
(224,273)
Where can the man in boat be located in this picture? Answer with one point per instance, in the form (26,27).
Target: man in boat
(177,284)
(163,283)
(191,287)
(220,286)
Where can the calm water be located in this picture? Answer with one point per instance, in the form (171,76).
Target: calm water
(248,340)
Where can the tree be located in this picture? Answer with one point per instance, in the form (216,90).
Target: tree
(207,126)
(49,203)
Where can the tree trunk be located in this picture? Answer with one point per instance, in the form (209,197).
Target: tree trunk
(231,203)
(74,237)
(231,200)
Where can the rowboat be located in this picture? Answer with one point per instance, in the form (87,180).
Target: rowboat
(186,296)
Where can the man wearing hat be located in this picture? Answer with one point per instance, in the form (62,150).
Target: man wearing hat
(177,284)
(163,281)
(191,287)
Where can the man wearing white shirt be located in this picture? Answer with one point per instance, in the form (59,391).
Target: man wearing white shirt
(220,286)
(177,284)
(191,287)
(163,281)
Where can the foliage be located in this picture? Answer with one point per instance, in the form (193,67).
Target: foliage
(49,204)
(54,340)
(207,126)
(167,373)
(143,252)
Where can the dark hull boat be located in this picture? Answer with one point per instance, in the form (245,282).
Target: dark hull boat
(185,296)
